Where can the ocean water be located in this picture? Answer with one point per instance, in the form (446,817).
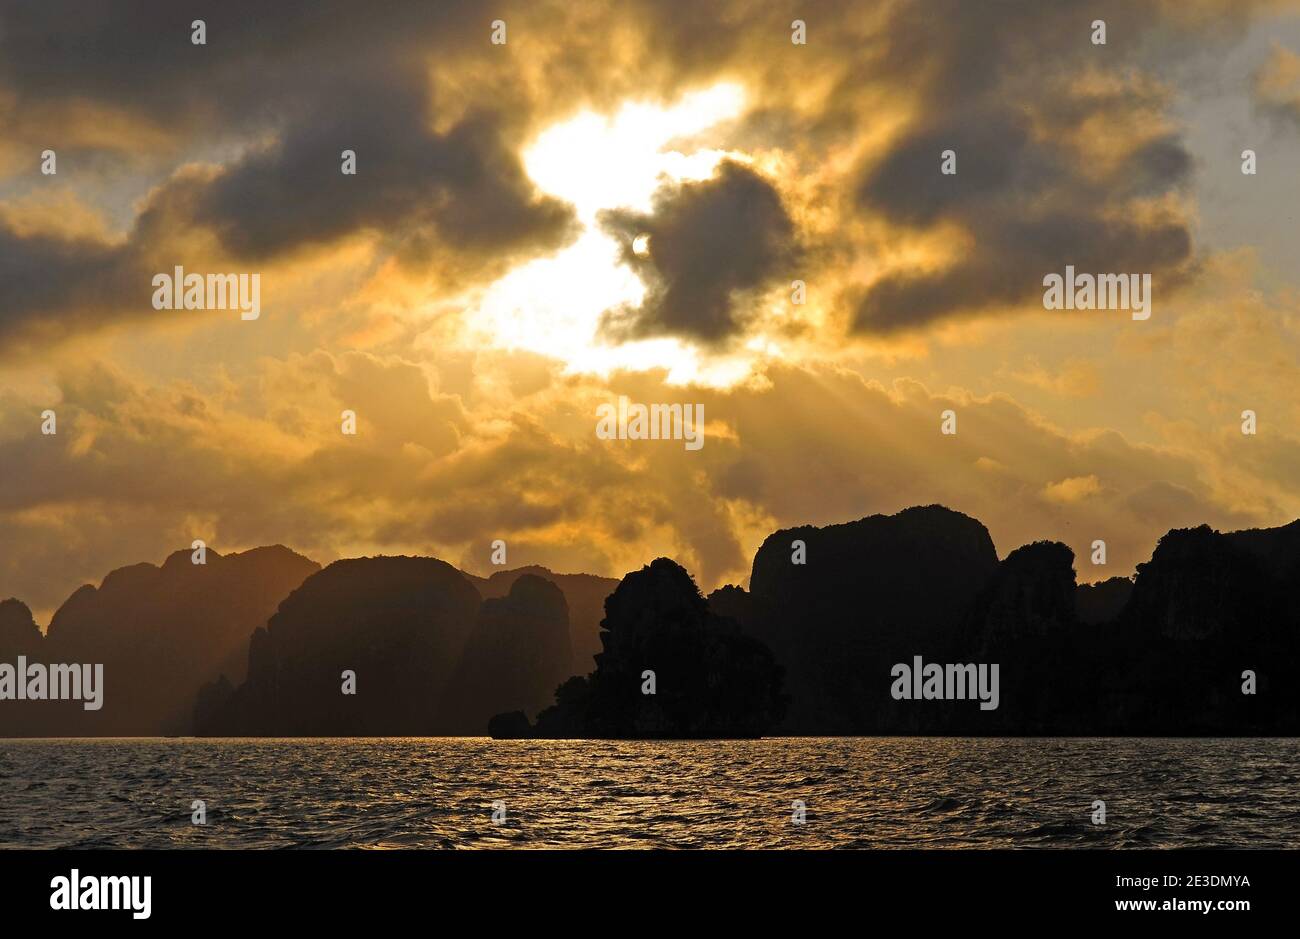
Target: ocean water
(859,792)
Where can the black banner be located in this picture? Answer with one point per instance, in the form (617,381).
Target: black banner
(576,889)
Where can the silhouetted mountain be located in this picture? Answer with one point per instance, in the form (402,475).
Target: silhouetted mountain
(398,624)
(160,633)
(1278,549)
(669,667)
(1103,601)
(20,636)
(1200,584)
(518,653)
(1029,596)
(733,602)
(1160,654)
(1024,619)
(231,647)
(19,633)
(869,593)
(512,725)
(1164,653)
(1205,609)
(585,595)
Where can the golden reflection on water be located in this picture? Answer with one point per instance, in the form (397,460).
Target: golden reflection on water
(387,793)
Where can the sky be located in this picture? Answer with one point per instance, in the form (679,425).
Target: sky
(617,201)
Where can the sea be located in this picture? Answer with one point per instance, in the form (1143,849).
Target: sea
(811,792)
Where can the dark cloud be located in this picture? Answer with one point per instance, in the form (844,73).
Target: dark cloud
(1030,207)
(1016,87)
(261,62)
(1157,167)
(711,244)
(465,189)
(1029,193)
(51,285)
(1007,263)
(291,85)
(996,160)
(438,116)
(54,284)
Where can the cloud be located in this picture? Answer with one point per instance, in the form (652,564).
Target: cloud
(1072,490)
(1066,151)
(1277,84)
(463,191)
(51,284)
(712,245)
(227,157)
(1073,378)
(1034,188)
(57,282)
(248,132)
(141,468)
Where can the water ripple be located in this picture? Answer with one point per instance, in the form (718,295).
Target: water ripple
(858,792)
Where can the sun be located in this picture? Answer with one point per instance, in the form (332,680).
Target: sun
(598,162)
(553,305)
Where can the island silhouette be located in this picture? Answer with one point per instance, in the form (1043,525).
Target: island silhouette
(1203,640)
